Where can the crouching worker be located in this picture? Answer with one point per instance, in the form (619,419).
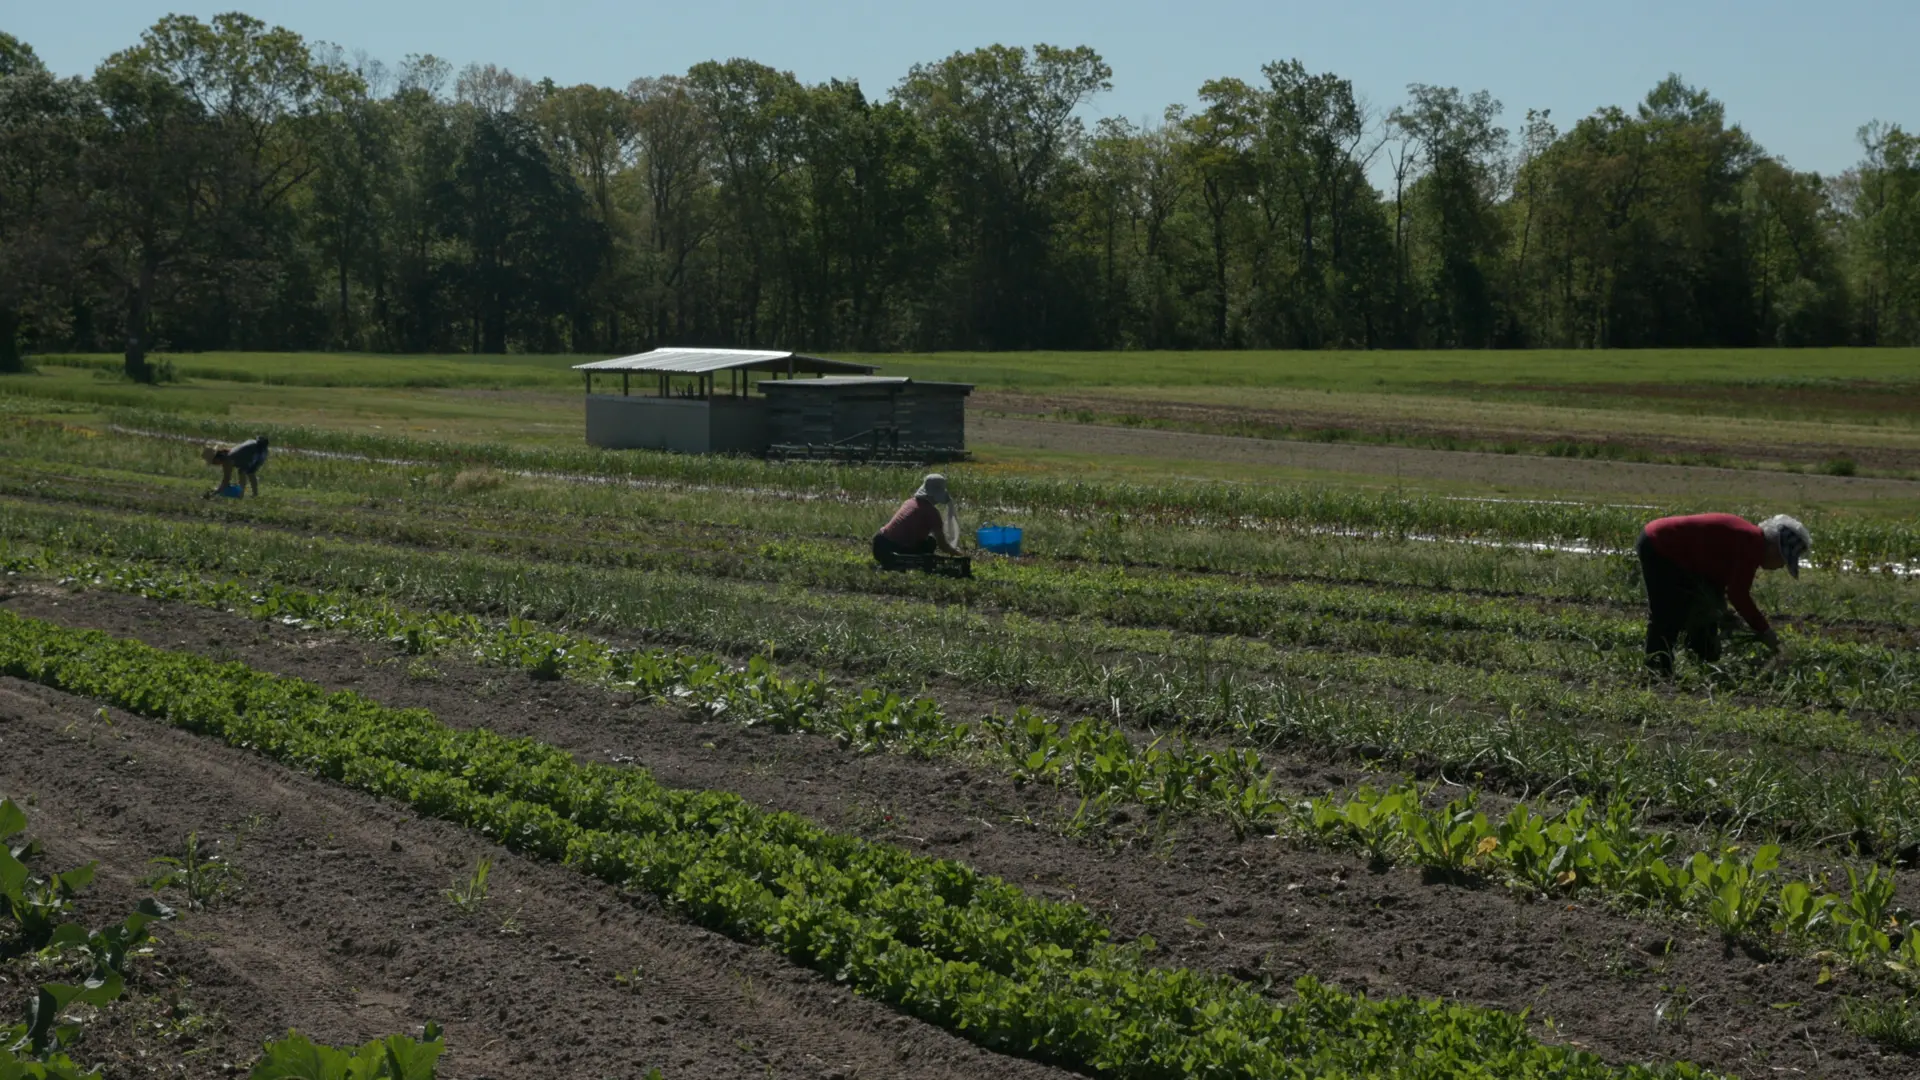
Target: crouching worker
(246,458)
(919,528)
(1695,565)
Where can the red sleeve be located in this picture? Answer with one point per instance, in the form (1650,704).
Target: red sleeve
(1740,595)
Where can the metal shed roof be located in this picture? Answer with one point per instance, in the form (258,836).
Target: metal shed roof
(708,361)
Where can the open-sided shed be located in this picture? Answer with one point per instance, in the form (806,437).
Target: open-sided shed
(703,401)
(697,401)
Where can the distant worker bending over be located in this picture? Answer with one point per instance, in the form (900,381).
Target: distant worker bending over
(246,457)
(919,527)
(1695,565)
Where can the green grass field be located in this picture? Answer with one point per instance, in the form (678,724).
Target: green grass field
(1388,371)
(348,369)
(1383,371)
(1783,418)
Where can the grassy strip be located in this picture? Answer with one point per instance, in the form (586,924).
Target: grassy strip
(932,937)
(1170,777)
(28,394)
(1539,445)
(348,369)
(1868,371)
(444,506)
(484,508)
(1212,505)
(1873,805)
(1575,663)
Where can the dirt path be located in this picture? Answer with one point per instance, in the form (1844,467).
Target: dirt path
(1259,909)
(1512,471)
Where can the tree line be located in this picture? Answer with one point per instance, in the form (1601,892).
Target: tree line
(229,185)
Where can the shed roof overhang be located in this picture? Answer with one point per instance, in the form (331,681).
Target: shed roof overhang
(709,361)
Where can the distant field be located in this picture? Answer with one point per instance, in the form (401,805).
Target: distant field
(1848,412)
(349,369)
(1400,371)
(1365,371)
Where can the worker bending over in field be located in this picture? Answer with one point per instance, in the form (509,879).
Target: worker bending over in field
(1695,565)
(919,527)
(247,457)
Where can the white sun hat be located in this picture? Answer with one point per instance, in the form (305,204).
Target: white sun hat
(933,487)
(1790,537)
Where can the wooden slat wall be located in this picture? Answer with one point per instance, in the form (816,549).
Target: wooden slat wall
(924,416)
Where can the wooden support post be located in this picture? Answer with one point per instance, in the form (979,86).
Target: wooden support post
(626,389)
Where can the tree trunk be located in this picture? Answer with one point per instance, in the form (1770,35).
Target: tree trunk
(1217,211)
(10,362)
(346,316)
(138,304)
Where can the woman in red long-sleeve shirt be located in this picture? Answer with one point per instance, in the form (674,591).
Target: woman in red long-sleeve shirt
(1695,565)
(918,527)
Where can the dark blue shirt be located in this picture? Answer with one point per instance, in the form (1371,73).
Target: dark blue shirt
(249,455)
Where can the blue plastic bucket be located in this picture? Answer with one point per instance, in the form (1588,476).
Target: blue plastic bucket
(999,539)
(233,492)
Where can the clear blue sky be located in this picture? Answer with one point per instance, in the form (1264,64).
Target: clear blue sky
(1800,77)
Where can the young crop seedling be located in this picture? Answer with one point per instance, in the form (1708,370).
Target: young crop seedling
(99,721)
(1894,1023)
(180,1020)
(468,896)
(1675,1007)
(203,878)
(248,828)
(395,1057)
(97,961)
(34,904)
(1804,913)
(510,926)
